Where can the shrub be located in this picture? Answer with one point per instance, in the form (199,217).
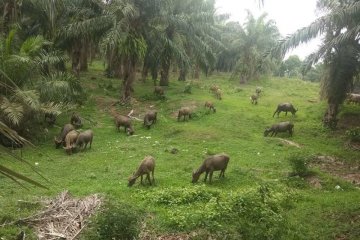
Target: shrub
(117,221)
(299,164)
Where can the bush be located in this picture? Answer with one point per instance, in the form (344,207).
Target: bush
(299,164)
(117,221)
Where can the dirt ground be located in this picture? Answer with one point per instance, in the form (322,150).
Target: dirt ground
(336,167)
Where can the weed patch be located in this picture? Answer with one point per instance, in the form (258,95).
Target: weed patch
(256,214)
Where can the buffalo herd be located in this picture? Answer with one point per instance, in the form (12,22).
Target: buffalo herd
(72,139)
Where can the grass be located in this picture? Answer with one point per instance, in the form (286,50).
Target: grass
(236,128)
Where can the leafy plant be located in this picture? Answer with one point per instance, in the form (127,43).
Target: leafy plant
(299,164)
(61,87)
(117,221)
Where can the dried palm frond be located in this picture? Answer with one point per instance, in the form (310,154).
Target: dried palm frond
(63,217)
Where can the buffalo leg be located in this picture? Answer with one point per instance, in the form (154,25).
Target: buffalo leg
(210,177)
(152,173)
(148,178)
(223,173)
(206,174)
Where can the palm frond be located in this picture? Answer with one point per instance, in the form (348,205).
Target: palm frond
(15,176)
(9,41)
(8,79)
(53,108)
(7,173)
(12,111)
(33,45)
(338,17)
(50,58)
(88,27)
(60,88)
(12,135)
(29,98)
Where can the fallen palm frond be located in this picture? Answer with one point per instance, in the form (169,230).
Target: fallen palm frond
(63,217)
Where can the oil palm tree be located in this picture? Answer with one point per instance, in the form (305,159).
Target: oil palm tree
(79,43)
(227,58)
(187,36)
(253,40)
(16,103)
(25,89)
(204,42)
(340,50)
(122,42)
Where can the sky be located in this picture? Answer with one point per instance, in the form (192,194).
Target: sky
(289,15)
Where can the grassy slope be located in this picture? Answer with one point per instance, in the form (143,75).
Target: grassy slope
(236,128)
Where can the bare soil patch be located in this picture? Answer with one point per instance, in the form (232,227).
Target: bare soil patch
(338,168)
(349,121)
(105,103)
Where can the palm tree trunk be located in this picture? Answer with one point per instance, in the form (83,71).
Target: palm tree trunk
(182,74)
(144,72)
(9,15)
(129,78)
(197,72)
(154,74)
(75,59)
(84,56)
(164,73)
(92,51)
(329,118)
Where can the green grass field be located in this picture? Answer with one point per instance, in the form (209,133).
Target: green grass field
(256,200)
